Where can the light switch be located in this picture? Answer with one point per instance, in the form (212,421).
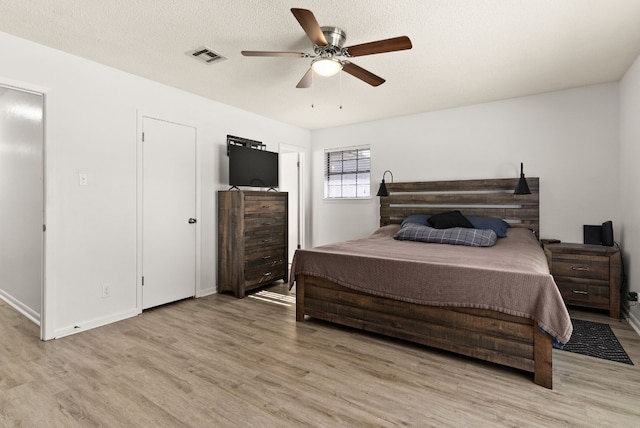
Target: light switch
(82,179)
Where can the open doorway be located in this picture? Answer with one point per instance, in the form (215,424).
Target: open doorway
(291,171)
(22,199)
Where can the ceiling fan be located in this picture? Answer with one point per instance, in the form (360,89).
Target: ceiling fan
(329,51)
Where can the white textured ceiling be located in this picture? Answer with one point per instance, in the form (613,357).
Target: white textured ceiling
(464,51)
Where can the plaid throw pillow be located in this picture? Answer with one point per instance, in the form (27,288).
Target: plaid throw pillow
(454,236)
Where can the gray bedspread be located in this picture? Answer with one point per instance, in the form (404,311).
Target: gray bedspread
(511,277)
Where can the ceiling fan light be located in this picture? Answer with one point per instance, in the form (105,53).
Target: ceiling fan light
(326,67)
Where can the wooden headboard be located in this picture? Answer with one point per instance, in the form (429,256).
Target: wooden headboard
(487,198)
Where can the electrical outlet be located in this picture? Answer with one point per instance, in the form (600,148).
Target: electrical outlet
(106,291)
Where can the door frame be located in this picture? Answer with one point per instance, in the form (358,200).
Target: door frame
(290,148)
(139,194)
(47,304)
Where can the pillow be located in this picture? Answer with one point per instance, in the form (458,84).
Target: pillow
(422,219)
(449,219)
(455,236)
(498,225)
(388,230)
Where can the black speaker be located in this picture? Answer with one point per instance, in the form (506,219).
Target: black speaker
(592,234)
(607,233)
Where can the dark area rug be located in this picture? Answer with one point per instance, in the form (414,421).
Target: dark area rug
(596,340)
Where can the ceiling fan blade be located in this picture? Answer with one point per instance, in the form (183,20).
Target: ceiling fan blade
(380,46)
(268,53)
(306,80)
(310,26)
(362,74)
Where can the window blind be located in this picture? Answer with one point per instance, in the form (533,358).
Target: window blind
(348,173)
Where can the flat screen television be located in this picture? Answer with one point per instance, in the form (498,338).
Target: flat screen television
(252,167)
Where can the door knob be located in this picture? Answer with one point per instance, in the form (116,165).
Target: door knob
(192,220)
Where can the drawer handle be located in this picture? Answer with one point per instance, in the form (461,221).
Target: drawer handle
(267,224)
(581,268)
(580,292)
(266,274)
(266,257)
(266,206)
(266,240)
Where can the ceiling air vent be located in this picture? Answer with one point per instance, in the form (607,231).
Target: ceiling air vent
(206,55)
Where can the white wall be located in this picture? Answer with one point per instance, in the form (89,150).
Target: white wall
(569,139)
(630,180)
(91,127)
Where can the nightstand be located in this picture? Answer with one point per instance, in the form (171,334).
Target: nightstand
(586,275)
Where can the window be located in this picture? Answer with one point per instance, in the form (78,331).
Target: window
(348,173)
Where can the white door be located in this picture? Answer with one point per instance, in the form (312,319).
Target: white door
(168,212)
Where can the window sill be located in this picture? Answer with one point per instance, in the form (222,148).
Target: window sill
(368,198)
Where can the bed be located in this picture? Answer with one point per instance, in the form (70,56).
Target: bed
(513,325)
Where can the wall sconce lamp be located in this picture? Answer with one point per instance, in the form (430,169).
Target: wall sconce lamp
(382,191)
(522,188)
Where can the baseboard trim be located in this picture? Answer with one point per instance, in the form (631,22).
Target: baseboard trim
(634,322)
(20,307)
(91,324)
(208,291)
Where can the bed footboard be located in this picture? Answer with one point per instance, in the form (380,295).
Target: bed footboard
(480,333)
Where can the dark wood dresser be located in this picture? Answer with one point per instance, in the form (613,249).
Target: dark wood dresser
(587,275)
(252,239)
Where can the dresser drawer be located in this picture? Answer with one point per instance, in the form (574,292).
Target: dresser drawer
(266,220)
(262,204)
(580,266)
(263,274)
(265,264)
(263,238)
(594,294)
(264,254)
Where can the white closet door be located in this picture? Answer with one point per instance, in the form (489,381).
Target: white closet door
(169,211)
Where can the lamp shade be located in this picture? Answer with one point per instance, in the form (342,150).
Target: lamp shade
(382,191)
(522,188)
(326,67)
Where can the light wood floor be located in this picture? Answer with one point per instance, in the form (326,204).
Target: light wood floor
(221,361)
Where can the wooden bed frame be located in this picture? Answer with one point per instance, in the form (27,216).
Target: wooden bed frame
(480,333)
